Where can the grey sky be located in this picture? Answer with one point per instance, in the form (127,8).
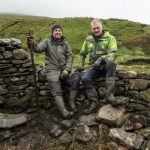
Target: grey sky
(135,10)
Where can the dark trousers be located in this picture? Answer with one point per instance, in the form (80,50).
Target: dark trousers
(105,70)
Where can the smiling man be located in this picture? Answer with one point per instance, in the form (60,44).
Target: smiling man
(101,48)
(58,61)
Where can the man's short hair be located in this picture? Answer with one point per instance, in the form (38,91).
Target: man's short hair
(97,21)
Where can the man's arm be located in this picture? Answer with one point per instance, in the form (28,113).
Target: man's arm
(69,57)
(82,55)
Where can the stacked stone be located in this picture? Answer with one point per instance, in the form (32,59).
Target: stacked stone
(15,68)
(17,84)
(137,88)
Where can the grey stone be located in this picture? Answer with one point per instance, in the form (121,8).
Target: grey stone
(68,123)
(12,120)
(3,66)
(18,87)
(144,132)
(88,120)
(5,42)
(134,94)
(126,74)
(7,54)
(145,95)
(82,133)
(2,49)
(29,64)
(144,76)
(103,133)
(15,43)
(130,140)
(66,138)
(20,54)
(138,84)
(16,62)
(10,70)
(3,90)
(110,115)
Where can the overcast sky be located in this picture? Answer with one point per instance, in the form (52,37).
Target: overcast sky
(135,10)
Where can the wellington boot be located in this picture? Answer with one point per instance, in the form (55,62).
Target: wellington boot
(60,104)
(92,96)
(72,99)
(110,84)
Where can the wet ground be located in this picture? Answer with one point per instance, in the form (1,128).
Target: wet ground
(35,134)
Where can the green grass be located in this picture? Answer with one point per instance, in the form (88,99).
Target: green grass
(132,37)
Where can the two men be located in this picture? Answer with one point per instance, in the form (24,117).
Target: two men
(58,62)
(101,48)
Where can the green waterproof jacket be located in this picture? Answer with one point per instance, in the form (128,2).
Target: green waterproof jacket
(104,47)
(58,56)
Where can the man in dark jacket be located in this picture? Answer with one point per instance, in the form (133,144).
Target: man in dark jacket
(101,48)
(58,62)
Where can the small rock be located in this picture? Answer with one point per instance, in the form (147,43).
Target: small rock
(88,119)
(83,133)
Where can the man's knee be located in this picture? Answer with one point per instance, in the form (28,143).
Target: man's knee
(74,81)
(110,63)
(55,89)
(85,78)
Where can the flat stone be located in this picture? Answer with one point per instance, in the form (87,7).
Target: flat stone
(89,120)
(68,123)
(12,120)
(20,54)
(110,115)
(138,84)
(127,74)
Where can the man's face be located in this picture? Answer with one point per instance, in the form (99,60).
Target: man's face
(57,33)
(96,29)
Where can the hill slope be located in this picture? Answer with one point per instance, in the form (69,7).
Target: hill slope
(133,38)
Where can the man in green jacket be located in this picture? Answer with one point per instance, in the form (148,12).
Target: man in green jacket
(101,48)
(58,62)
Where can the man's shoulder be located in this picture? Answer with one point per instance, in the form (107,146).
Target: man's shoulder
(89,38)
(106,34)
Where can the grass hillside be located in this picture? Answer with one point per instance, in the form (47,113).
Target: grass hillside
(133,38)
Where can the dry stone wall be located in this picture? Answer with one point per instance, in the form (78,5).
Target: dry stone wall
(17,84)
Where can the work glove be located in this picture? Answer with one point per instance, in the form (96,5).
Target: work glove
(30,41)
(98,63)
(64,74)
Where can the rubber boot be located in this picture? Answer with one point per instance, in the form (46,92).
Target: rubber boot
(92,96)
(110,84)
(61,106)
(72,99)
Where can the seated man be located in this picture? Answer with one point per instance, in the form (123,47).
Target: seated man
(101,48)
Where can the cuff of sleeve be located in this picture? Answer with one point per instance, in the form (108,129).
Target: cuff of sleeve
(68,69)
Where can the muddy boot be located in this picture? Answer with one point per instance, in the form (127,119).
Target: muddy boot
(92,96)
(60,105)
(110,84)
(72,99)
